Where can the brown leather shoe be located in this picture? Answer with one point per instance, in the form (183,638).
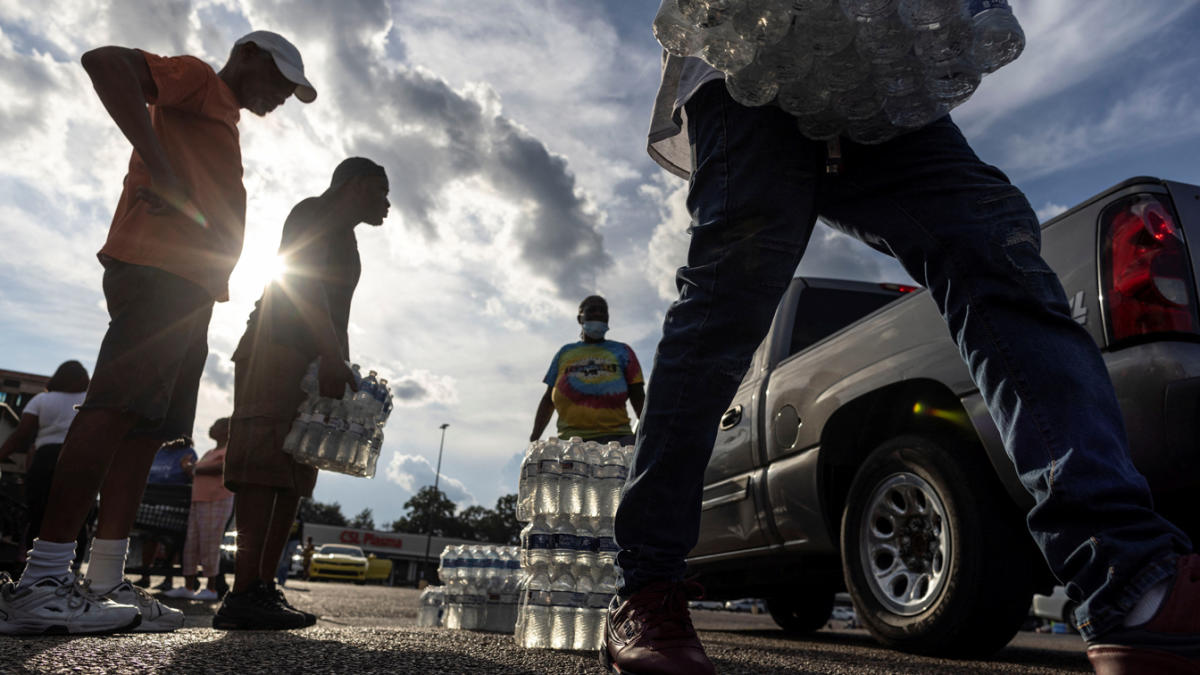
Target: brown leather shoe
(651,633)
(1167,644)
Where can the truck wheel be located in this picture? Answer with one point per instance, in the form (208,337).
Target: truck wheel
(933,553)
(801,611)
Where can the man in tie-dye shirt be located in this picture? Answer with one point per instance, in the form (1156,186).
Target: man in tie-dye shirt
(589,382)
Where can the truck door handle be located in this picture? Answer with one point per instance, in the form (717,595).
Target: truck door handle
(731,418)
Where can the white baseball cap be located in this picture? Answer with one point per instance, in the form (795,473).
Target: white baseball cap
(287,60)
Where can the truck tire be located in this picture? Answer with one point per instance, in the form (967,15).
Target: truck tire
(801,610)
(933,552)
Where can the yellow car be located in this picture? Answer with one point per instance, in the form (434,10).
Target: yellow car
(338,561)
(378,569)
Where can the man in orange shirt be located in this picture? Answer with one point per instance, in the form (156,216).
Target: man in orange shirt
(174,239)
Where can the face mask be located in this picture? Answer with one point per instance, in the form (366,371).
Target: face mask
(595,329)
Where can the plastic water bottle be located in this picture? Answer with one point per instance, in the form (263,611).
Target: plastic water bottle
(452,617)
(868,10)
(763,22)
(446,562)
(921,15)
(753,85)
(574,473)
(948,42)
(545,485)
(472,606)
(506,590)
(583,633)
(707,14)
(827,31)
(430,612)
(952,82)
(725,50)
(674,32)
(587,547)
(564,600)
(598,601)
(536,632)
(611,474)
(564,548)
(592,497)
(998,36)
(606,547)
(787,60)
(883,41)
(525,483)
(522,610)
(537,541)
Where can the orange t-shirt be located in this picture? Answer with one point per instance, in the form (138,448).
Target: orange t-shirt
(195,116)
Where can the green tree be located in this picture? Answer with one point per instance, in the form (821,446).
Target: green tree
(506,528)
(364,520)
(318,513)
(429,511)
(496,526)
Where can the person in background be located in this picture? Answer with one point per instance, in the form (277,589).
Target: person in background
(211,507)
(289,550)
(43,427)
(172,465)
(174,240)
(589,382)
(309,550)
(302,316)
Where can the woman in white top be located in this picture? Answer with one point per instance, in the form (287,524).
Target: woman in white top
(44,423)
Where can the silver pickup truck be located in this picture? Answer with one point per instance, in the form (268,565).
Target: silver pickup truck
(858,453)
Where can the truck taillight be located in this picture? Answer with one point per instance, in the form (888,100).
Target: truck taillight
(1145,270)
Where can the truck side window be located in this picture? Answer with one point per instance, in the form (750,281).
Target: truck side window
(820,312)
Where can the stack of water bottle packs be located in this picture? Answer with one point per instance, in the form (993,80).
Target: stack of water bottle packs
(568,494)
(341,434)
(479,592)
(866,69)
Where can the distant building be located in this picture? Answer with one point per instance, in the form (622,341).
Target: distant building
(16,388)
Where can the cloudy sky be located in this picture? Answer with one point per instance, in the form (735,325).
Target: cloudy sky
(514,135)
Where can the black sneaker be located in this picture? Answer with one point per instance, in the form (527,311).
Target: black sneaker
(256,608)
(309,617)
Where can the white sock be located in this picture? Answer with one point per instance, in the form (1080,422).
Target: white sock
(106,566)
(1148,605)
(47,559)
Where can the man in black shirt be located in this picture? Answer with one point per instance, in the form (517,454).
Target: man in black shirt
(301,316)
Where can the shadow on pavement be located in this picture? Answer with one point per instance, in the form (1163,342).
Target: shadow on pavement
(370,652)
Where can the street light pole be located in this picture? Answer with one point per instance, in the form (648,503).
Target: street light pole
(429,520)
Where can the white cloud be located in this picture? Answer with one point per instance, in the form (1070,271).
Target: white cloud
(1049,210)
(669,243)
(413,472)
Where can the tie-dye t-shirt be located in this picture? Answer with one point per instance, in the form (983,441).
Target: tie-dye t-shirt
(591,385)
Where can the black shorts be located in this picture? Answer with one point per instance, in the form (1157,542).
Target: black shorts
(154,352)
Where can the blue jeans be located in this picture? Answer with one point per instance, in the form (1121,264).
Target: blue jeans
(961,230)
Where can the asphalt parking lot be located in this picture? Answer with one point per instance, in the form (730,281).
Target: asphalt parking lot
(372,629)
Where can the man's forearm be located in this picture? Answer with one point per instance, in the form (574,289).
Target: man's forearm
(122,91)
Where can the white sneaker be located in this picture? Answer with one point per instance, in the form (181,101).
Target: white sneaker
(61,605)
(179,592)
(205,594)
(156,617)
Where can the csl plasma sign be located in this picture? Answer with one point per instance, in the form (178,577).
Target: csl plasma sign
(369,539)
